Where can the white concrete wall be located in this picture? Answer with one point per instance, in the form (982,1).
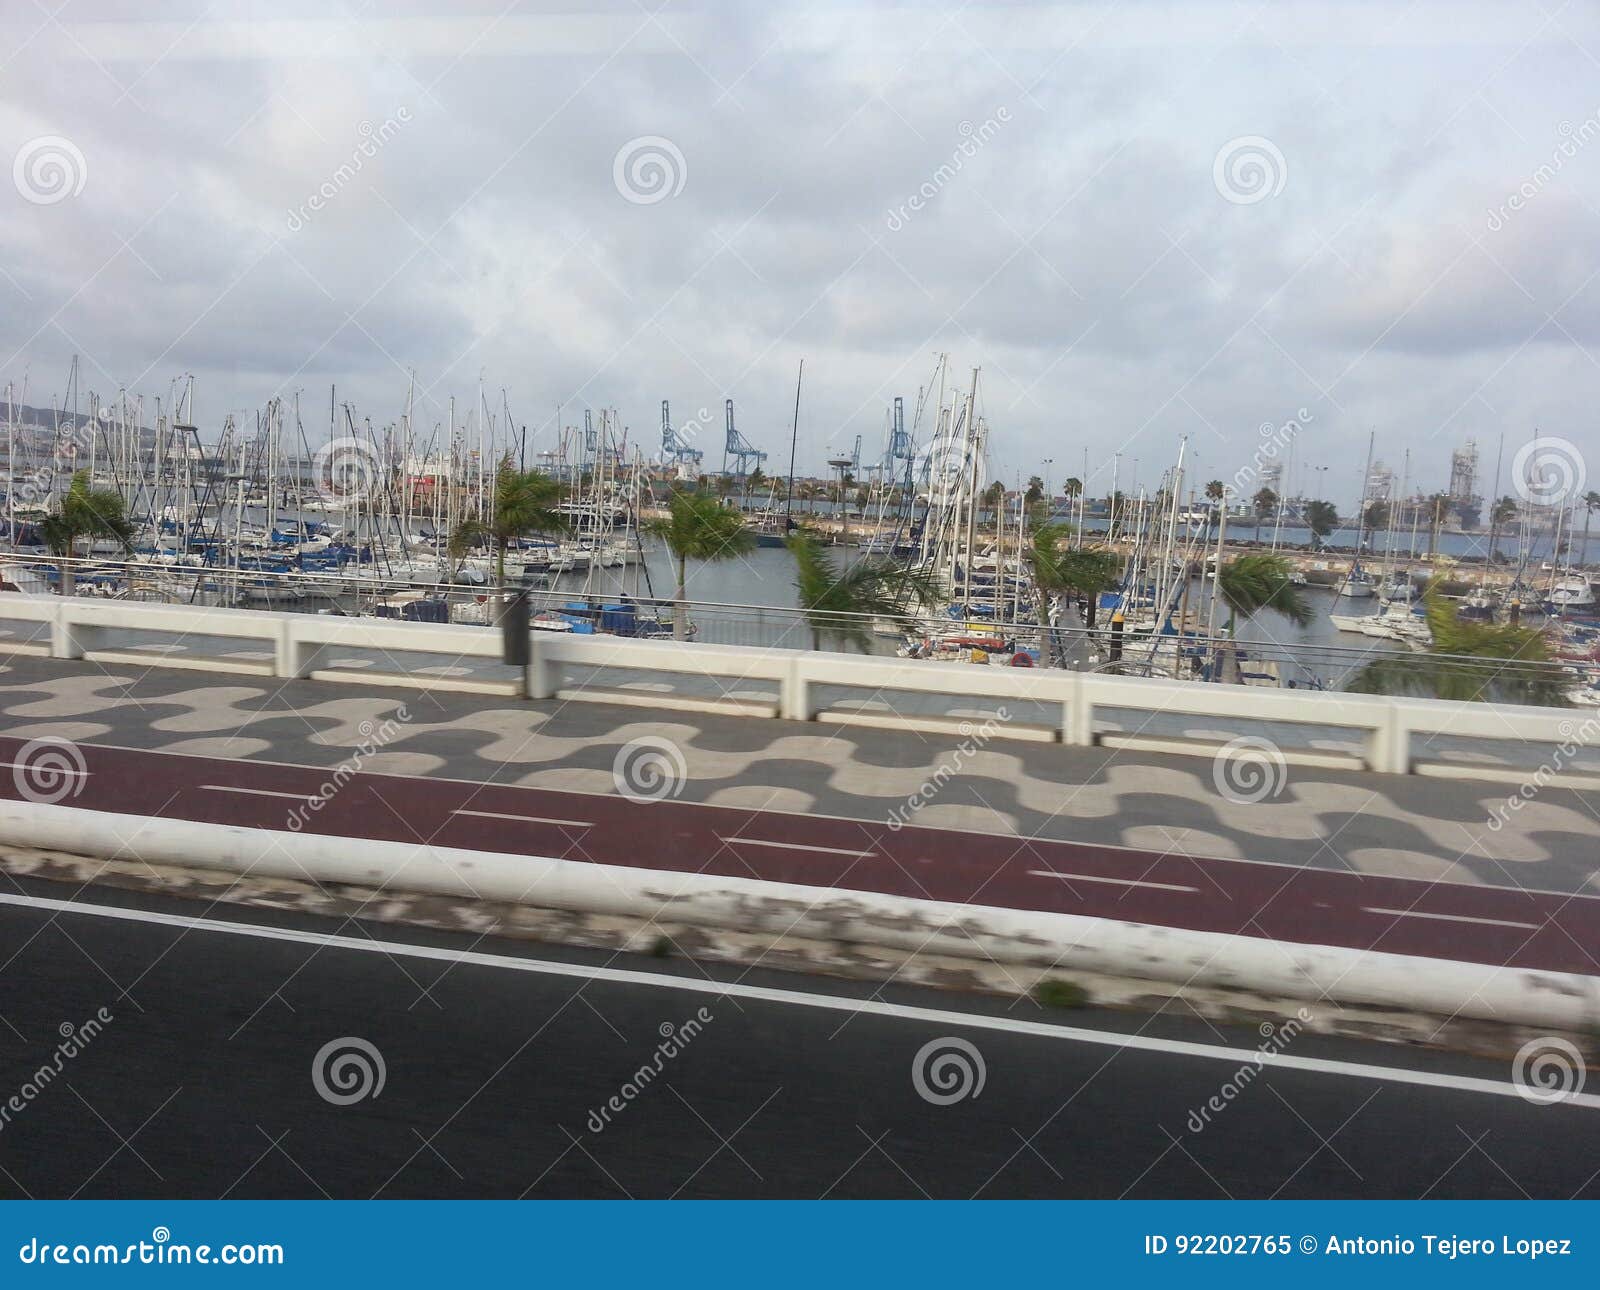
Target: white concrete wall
(79,627)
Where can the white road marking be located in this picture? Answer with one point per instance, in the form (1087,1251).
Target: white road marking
(797,998)
(795,846)
(530,819)
(1122,882)
(1451,918)
(254,792)
(48,770)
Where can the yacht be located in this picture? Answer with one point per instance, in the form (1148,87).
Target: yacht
(1480,606)
(1570,595)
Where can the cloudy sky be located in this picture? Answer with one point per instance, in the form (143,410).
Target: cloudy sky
(1141,220)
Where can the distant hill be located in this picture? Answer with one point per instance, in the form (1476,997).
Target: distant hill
(46,417)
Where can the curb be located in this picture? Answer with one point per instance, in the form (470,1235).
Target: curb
(1064,943)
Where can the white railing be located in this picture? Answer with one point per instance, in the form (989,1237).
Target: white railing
(97,630)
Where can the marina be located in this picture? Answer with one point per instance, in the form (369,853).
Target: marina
(398,522)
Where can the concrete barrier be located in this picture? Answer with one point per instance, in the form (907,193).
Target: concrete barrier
(79,628)
(1063,942)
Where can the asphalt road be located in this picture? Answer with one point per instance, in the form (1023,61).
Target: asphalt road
(499,1074)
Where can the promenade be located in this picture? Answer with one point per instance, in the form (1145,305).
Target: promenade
(1400,864)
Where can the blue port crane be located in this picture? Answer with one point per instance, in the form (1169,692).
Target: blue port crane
(900,448)
(674,447)
(744,453)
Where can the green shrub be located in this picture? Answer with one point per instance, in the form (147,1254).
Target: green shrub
(1051,993)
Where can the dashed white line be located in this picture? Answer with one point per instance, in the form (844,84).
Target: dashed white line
(1451,918)
(41,771)
(528,819)
(795,846)
(1121,882)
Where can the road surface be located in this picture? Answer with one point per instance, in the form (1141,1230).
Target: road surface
(503,1065)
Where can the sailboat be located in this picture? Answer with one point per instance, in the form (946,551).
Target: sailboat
(1357,584)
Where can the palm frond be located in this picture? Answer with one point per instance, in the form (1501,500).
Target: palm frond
(1086,571)
(698,527)
(1256,582)
(1469,662)
(838,603)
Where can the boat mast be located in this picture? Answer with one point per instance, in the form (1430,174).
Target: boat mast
(794,439)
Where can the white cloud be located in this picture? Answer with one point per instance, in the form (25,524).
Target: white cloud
(1082,256)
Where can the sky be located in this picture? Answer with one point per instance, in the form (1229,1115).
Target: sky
(1140,221)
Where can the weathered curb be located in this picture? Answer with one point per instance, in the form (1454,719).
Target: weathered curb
(821,929)
(775,953)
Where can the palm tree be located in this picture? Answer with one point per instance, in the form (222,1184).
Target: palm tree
(1072,488)
(1504,512)
(1438,509)
(1035,493)
(1247,586)
(1321,518)
(525,502)
(1256,582)
(754,480)
(84,512)
(1265,502)
(838,603)
(1481,662)
(1591,504)
(1085,572)
(698,527)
